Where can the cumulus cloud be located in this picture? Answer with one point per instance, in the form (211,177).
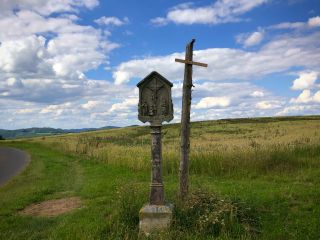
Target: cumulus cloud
(44,58)
(311,23)
(24,23)
(125,105)
(257,94)
(306,80)
(307,97)
(13,82)
(57,110)
(47,7)
(256,37)
(314,22)
(221,11)
(25,111)
(24,55)
(293,110)
(268,104)
(211,102)
(87,108)
(316,97)
(252,39)
(90,104)
(280,54)
(304,97)
(107,21)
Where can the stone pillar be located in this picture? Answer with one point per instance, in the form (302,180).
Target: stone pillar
(156,187)
(155,216)
(155,106)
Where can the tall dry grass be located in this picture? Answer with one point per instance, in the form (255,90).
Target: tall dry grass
(224,147)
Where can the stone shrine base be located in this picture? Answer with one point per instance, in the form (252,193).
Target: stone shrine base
(155,218)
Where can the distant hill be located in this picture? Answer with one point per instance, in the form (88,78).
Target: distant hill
(46,131)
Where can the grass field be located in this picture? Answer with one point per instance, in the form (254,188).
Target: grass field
(261,175)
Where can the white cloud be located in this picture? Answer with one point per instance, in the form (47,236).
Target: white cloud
(13,82)
(221,11)
(43,61)
(254,38)
(280,54)
(306,97)
(125,105)
(47,7)
(25,111)
(268,104)
(75,53)
(56,113)
(25,23)
(314,22)
(23,55)
(251,39)
(111,21)
(311,23)
(299,110)
(316,97)
(288,25)
(56,110)
(306,80)
(90,105)
(159,21)
(74,50)
(292,110)
(211,102)
(121,77)
(141,68)
(257,94)
(44,58)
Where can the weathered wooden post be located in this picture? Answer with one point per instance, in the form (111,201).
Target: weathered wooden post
(185,117)
(155,106)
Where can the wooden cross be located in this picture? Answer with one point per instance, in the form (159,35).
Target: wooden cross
(191,62)
(155,88)
(185,117)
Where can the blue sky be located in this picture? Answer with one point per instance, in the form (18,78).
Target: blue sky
(75,63)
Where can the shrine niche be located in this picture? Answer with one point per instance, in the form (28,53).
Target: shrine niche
(155,102)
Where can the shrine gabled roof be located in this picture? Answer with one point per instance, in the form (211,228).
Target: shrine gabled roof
(154,74)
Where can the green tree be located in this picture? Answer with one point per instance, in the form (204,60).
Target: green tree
(2,138)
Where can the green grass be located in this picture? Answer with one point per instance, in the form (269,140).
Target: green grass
(271,166)
(53,175)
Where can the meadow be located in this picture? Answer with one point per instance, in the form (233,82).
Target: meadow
(218,148)
(249,179)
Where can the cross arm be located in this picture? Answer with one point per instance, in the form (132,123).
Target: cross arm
(191,62)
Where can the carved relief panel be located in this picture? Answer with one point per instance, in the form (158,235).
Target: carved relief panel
(155,102)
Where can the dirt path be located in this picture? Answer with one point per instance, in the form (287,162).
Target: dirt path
(12,162)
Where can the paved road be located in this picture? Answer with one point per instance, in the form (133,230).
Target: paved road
(12,162)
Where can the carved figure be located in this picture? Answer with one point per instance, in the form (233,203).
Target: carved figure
(152,109)
(155,99)
(144,109)
(164,106)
